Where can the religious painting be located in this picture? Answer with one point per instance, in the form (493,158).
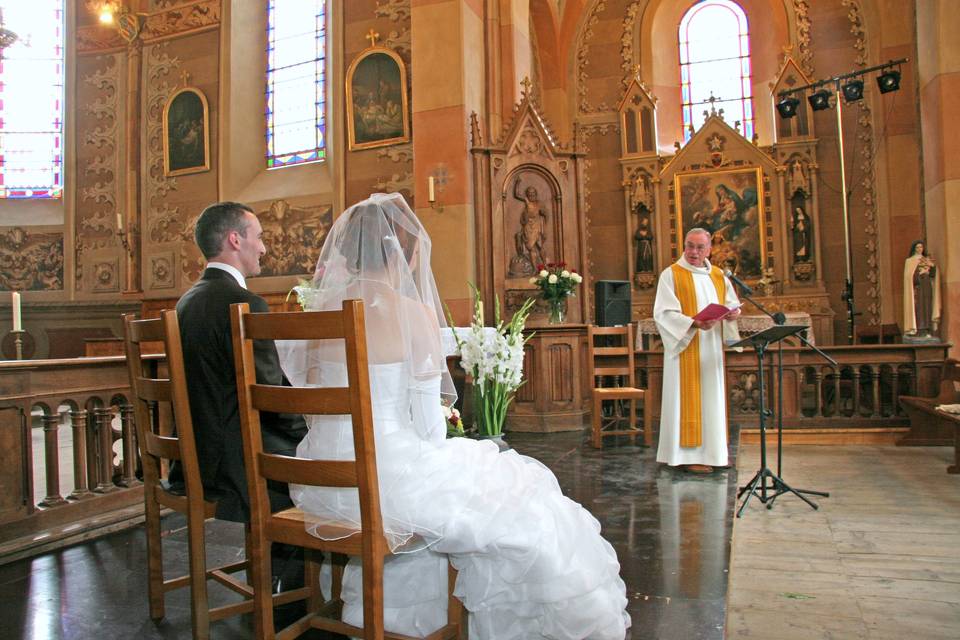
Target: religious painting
(729,205)
(377,111)
(186,133)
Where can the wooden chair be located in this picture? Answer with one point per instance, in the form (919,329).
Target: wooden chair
(289,526)
(614,359)
(156,400)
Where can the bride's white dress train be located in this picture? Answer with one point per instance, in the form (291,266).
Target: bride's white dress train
(531,562)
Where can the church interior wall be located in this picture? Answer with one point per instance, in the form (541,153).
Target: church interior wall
(578,52)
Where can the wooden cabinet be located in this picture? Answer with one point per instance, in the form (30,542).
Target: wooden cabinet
(556,396)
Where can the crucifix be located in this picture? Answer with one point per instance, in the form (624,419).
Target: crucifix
(372,37)
(526,85)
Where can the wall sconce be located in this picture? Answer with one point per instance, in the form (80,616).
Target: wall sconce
(436,185)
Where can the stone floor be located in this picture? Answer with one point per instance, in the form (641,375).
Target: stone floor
(880,559)
(671,531)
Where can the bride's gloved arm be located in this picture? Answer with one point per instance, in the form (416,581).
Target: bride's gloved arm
(427,415)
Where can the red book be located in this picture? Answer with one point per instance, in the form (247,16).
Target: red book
(713,311)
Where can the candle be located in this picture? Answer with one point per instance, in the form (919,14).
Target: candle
(15,300)
(431,196)
(119,221)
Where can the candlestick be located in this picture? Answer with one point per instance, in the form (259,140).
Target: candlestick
(15,305)
(18,342)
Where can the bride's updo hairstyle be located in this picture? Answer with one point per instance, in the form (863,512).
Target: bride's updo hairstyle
(377,251)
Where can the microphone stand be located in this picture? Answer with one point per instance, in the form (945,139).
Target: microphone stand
(779,318)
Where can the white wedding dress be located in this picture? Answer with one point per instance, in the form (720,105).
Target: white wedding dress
(531,562)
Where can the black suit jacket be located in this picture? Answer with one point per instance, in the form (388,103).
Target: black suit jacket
(204,315)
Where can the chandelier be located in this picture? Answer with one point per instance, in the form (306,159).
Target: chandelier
(7,37)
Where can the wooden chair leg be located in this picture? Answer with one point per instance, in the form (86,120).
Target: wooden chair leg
(597,437)
(647,422)
(311,578)
(456,614)
(262,590)
(199,605)
(154,558)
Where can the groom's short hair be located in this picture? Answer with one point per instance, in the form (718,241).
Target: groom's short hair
(216,222)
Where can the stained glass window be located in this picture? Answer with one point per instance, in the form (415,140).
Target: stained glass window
(715,61)
(296,82)
(31,101)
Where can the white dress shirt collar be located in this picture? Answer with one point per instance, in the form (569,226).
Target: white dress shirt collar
(233,271)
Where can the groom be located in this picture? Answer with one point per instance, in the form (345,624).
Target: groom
(229,236)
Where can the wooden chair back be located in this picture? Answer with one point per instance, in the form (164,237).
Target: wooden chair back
(161,401)
(615,356)
(352,400)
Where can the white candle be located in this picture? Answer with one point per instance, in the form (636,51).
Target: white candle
(119,221)
(15,300)
(431,196)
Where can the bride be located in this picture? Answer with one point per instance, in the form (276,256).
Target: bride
(531,563)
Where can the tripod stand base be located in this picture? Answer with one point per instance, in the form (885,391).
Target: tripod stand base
(766,494)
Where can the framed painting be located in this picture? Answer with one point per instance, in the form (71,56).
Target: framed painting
(729,204)
(186,133)
(377,111)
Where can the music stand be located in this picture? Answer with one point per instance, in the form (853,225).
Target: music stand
(760,341)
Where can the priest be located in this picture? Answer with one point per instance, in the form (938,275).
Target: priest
(693,416)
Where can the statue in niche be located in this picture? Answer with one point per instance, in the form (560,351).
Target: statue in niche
(640,195)
(802,230)
(530,240)
(921,293)
(643,242)
(798,179)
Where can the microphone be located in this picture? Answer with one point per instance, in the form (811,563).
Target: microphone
(734,279)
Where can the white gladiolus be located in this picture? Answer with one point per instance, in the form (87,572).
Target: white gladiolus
(552,279)
(543,273)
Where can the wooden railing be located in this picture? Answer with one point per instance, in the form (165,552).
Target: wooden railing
(861,395)
(83,401)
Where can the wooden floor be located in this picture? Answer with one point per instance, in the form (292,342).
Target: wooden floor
(880,559)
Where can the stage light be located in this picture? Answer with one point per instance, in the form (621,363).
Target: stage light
(787,107)
(889,80)
(819,100)
(853,90)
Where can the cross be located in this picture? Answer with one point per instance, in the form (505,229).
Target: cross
(526,85)
(185,78)
(712,99)
(636,70)
(372,37)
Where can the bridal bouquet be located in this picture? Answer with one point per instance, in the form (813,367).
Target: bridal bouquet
(495,361)
(305,292)
(556,282)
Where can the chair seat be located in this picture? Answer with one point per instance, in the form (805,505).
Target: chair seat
(618,392)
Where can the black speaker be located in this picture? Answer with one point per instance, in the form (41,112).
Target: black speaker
(612,298)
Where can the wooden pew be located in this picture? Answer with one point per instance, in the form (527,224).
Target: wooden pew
(931,427)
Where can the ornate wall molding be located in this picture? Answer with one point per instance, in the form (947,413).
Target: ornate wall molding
(583,50)
(628,63)
(182,19)
(804,50)
(295,235)
(99,153)
(867,160)
(30,261)
(396,153)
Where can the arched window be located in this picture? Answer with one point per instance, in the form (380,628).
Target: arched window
(715,60)
(296,82)
(31,101)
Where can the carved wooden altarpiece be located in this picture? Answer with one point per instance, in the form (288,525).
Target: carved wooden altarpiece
(529,211)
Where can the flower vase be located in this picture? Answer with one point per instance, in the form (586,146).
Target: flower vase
(558,310)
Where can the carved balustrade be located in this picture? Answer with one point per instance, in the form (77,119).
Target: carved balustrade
(861,393)
(83,402)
